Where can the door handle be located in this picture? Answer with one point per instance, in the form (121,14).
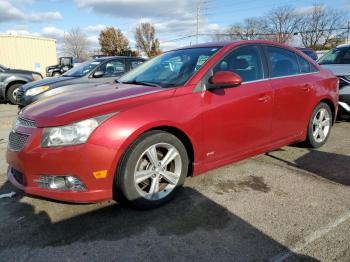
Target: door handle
(264,98)
(306,88)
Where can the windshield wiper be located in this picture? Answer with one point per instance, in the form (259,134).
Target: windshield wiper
(141,83)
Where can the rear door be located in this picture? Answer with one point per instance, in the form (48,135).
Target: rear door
(293,85)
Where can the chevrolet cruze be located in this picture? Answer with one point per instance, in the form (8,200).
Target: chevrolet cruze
(180,114)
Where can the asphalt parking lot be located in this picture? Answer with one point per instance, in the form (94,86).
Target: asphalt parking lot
(291,204)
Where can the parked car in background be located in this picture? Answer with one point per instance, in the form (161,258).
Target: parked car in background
(100,70)
(309,52)
(338,61)
(12,79)
(64,64)
(180,114)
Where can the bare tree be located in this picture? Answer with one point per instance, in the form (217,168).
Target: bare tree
(318,27)
(113,42)
(146,40)
(250,29)
(76,44)
(281,23)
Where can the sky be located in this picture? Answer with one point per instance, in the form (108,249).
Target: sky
(173,18)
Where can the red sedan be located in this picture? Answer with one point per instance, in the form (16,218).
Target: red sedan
(180,114)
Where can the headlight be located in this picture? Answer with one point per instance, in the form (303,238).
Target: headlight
(36,90)
(74,134)
(36,77)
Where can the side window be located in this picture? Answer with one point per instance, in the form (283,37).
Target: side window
(283,62)
(135,63)
(345,59)
(113,68)
(244,61)
(305,66)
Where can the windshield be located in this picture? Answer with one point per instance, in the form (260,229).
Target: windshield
(336,56)
(170,69)
(82,69)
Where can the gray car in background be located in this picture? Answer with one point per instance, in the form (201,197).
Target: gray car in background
(338,61)
(95,71)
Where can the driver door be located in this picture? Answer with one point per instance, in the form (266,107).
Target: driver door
(238,120)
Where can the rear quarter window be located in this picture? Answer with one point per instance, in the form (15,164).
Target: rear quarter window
(283,62)
(305,66)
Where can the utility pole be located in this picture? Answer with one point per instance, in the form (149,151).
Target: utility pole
(347,38)
(198,14)
(197,30)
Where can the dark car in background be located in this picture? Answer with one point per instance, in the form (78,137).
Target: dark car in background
(64,64)
(12,79)
(309,52)
(338,61)
(95,71)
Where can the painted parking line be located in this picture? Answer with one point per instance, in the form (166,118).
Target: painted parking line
(311,238)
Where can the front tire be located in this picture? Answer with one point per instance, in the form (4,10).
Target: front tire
(320,125)
(152,170)
(12,93)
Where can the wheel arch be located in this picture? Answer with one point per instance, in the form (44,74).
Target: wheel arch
(184,138)
(177,132)
(331,106)
(14,82)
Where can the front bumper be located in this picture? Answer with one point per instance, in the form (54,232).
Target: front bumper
(344,99)
(82,161)
(26,100)
(2,91)
(344,107)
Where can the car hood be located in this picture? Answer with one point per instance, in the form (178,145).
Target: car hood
(77,105)
(338,70)
(46,81)
(20,71)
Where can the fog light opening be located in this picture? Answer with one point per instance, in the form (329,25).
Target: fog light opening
(66,183)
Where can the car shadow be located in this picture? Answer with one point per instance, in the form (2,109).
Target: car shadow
(190,228)
(331,166)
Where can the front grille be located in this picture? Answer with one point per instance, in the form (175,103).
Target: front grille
(17,141)
(20,93)
(25,122)
(18,176)
(343,82)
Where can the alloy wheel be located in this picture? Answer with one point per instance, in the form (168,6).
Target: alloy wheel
(14,94)
(158,171)
(321,125)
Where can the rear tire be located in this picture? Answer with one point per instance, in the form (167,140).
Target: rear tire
(320,125)
(12,93)
(151,170)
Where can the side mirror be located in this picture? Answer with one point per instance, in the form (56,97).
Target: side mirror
(222,79)
(98,74)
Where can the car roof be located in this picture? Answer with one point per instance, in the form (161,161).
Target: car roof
(343,45)
(104,58)
(234,43)
(305,48)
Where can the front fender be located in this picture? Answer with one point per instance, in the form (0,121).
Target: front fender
(124,128)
